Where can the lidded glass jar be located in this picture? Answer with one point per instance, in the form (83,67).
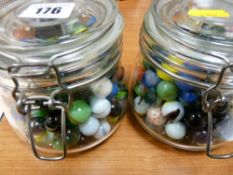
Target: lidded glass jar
(181,88)
(62,85)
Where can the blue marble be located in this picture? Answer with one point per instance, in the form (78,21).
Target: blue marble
(188,97)
(114,92)
(150,79)
(91,21)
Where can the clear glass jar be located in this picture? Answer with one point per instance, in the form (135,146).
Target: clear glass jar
(181,87)
(63,88)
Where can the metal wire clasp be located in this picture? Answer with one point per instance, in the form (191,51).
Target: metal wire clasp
(212,98)
(24,103)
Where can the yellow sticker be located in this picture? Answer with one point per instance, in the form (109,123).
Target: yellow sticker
(217,13)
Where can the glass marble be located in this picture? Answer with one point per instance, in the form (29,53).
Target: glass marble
(72,136)
(150,96)
(188,97)
(37,125)
(79,112)
(57,144)
(104,129)
(53,121)
(139,89)
(100,107)
(155,117)
(150,79)
(102,88)
(114,92)
(175,130)
(195,120)
(116,108)
(44,138)
(90,127)
(167,91)
(40,112)
(174,107)
(140,105)
(122,94)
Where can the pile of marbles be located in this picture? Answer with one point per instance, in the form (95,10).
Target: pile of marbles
(93,114)
(172,108)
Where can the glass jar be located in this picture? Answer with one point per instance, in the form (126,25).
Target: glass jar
(62,85)
(181,87)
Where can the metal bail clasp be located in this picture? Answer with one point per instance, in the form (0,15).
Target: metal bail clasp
(211,98)
(24,103)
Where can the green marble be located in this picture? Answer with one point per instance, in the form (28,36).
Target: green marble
(79,112)
(57,144)
(167,91)
(72,136)
(139,89)
(121,95)
(41,112)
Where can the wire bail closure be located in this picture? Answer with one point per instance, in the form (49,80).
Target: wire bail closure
(24,104)
(212,98)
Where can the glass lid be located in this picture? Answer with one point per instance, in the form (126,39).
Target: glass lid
(209,18)
(82,38)
(37,23)
(197,22)
(196,32)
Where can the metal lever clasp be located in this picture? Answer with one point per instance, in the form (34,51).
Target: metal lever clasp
(13,71)
(24,103)
(211,98)
(56,106)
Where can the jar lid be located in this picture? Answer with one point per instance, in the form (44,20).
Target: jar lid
(197,33)
(28,24)
(210,19)
(80,37)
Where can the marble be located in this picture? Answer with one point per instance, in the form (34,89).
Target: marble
(174,110)
(167,91)
(90,128)
(102,88)
(100,107)
(37,125)
(196,120)
(79,112)
(176,130)
(53,121)
(150,79)
(104,129)
(140,105)
(155,117)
